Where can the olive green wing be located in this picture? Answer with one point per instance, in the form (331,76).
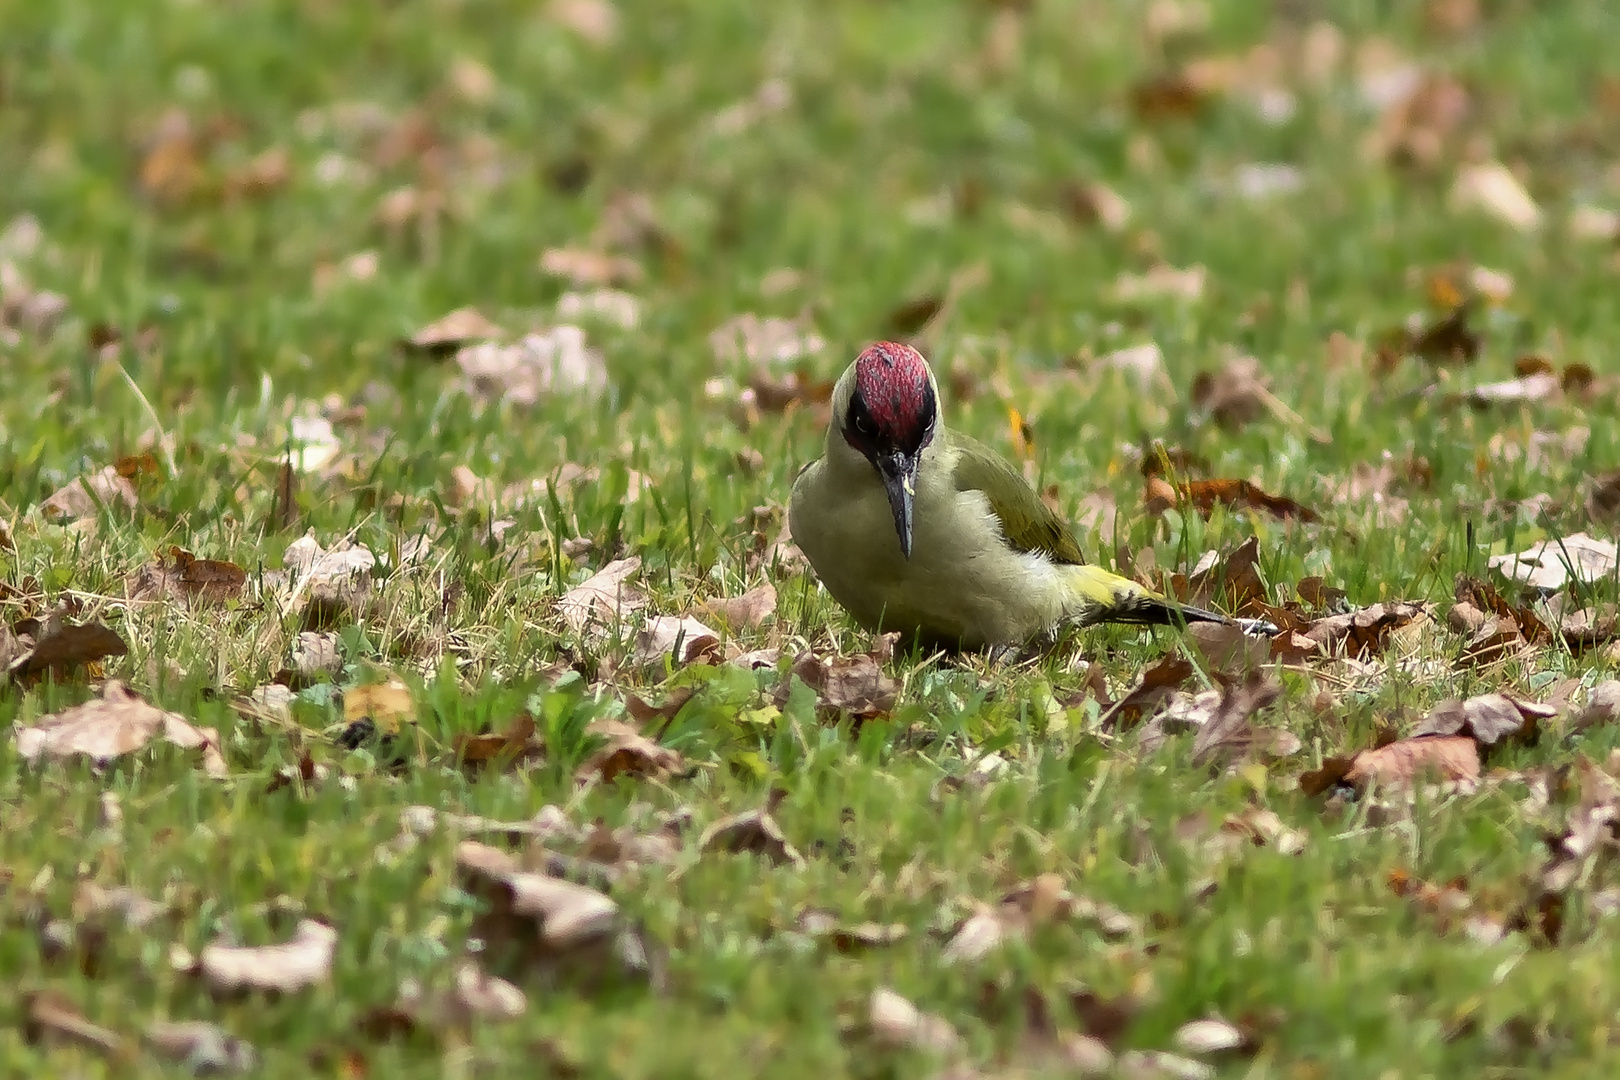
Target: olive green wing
(1027,522)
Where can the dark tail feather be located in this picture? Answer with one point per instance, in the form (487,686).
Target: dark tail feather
(1142,610)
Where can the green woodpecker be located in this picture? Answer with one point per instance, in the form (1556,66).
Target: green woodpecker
(917,528)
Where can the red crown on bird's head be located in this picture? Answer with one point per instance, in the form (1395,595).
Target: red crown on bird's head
(893,380)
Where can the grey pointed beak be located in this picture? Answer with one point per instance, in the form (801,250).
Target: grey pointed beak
(899,472)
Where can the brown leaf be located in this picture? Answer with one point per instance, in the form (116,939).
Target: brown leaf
(584,267)
(68,645)
(1441,757)
(853,684)
(462,327)
(172,169)
(770,343)
(642,712)
(1491,187)
(187,579)
(753,832)
(530,917)
(1552,564)
(1602,707)
(1364,631)
(515,743)
(1238,394)
(49,1018)
(1488,719)
(534,367)
(1232,583)
(627,752)
(897,1022)
(1448,341)
(1229,732)
(1168,96)
(741,612)
(204,1049)
(600,603)
(1205,495)
(93,903)
(263,175)
(847,938)
(683,640)
(1153,686)
(1214,1036)
(117,723)
(1603,499)
(84,497)
(302,962)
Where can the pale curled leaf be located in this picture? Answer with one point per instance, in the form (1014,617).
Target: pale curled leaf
(51,1019)
(1452,758)
(564,914)
(119,722)
(303,961)
(1487,718)
(753,832)
(684,638)
(601,601)
(897,1022)
(461,327)
(537,365)
(741,612)
(1552,564)
(201,1048)
(85,496)
(627,752)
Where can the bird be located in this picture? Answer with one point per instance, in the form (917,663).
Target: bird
(917,528)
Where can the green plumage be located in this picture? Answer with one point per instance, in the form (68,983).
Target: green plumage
(1026,521)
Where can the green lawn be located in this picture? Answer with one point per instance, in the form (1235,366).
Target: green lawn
(226,223)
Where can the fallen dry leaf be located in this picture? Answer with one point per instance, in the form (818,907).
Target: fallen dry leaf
(187,579)
(1228,732)
(849,938)
(1552,564)
(1602,707)
(627,752)
(584,267)
(896,1022)
(1154,685)
(853,684)
(746,611)
(387,704)
(302,962)
(1238,394)
(1488,719)
(64,646)
(1214,1036)
(116,724)
(1143,363)
(49,1018)
(1438,757)
(86,496)
(1205,495)
(1491,187)
(753,832)
(201,1048)
(462,327)
(515,743)
(533,922)
(684,640)
(600,603)
(764,342)
(1161,283)
(1365,631)
(537,365)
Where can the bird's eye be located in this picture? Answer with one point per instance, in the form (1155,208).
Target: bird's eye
(863,425)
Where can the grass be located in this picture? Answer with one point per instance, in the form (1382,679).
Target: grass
(879,150)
